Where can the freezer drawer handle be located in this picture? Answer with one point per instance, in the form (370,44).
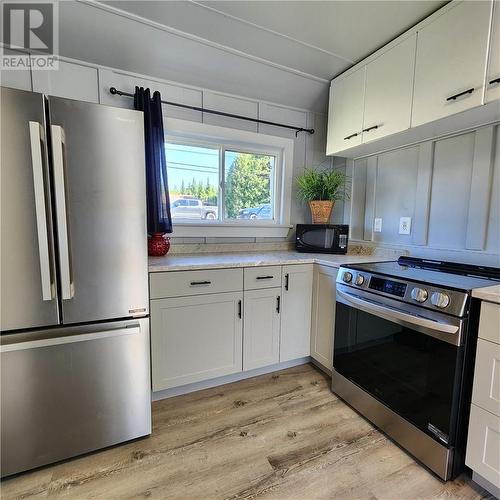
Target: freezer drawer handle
(36,134)
(58,144)
(70,339)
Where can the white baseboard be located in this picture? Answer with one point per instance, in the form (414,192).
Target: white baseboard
(235,377)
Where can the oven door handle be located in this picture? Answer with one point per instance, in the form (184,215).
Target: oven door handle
(395,315)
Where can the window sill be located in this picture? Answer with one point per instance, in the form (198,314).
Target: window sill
(229,230)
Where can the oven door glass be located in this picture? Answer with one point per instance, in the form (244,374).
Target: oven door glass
(415,375)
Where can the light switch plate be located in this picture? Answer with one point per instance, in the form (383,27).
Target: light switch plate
(377,225)
(404,225)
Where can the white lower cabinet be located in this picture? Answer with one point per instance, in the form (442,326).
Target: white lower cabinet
(323,315)
(296,311)
(261,328)
(195,338)
(483,441)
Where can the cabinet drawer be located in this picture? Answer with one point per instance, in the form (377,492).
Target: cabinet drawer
(184,283)
(486,392)
(483,445)
(262,277)
(489,322)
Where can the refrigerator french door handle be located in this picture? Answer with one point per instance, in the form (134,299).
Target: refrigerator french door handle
(58,144)
(36,137)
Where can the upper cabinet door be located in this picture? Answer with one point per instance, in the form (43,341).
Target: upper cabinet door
(70,80)
(345,113)
(493,73)
(388,93)
(450,62)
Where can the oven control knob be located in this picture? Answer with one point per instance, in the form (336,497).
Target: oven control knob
(419,294)
(440,300)
(347,277)
(360,279)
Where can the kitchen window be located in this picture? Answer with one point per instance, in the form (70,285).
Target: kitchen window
(231,184)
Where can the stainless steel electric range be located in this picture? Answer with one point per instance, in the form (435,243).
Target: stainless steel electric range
(404,348)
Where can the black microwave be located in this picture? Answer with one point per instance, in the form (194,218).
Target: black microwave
(322,238)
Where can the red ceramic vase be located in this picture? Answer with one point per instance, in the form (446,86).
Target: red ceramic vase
(158,245)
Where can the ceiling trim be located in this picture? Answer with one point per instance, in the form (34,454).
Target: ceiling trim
(190,36)
(268,30)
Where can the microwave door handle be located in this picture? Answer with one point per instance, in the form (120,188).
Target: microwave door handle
(58,144)
(398,316)
(36,135)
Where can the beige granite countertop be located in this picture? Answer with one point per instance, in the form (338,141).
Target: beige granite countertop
(488,293)
(184,262)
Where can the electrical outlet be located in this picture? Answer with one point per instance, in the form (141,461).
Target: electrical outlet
(377,225)
(404,225)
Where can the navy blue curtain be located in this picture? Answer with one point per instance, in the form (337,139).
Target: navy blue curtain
(157,197)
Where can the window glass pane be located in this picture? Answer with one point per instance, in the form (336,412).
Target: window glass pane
(249,185)
(193,179)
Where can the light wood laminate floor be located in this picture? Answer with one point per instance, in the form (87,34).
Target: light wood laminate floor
(281,436)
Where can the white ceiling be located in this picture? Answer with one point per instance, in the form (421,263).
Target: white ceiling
(317,38)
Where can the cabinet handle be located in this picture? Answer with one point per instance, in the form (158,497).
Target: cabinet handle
(278,303)
(350,136)
(460,94)
(287,281)
(239,309)
(264,277)
(496,80)
(198,283)
(374,127)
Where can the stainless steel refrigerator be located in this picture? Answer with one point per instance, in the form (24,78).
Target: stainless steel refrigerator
(74,283)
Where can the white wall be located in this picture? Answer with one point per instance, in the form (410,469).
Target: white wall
(449,187)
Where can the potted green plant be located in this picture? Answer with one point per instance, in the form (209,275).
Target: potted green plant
(321,189)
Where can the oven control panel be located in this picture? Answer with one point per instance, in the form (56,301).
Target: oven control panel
(422,294)
(388,286)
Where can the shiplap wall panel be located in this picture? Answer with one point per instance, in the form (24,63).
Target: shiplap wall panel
(451,183)
(358,199)
(172,93)
(423,193)
(395,193)
(455,185)
(493,235)
(370,196)
(479,202)
(233,105)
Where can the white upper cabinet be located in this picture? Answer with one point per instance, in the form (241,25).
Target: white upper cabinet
(70,80)
(450,62)
(345,113)
(388,92)
(493,73)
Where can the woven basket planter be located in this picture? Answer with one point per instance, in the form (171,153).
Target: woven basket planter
(321,211)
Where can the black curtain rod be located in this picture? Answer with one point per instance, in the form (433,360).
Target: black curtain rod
(114,91)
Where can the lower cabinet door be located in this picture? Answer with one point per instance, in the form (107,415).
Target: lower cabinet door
(261,332)
(323,315)
(296,311)
(483,444)
(195,338)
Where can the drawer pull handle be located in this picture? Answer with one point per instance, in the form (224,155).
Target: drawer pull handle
(198,283)
(350,136)
(278,304)
(460,94)
(264,277)
(495,80)
(374,127)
